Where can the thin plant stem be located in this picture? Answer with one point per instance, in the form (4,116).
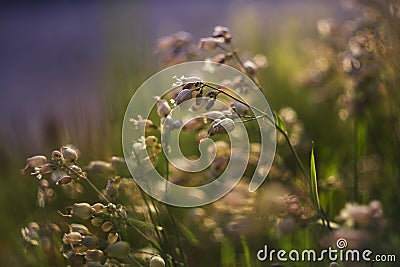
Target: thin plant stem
(300,165)
(84,177)
(355,185)
(135,261)
(171,216)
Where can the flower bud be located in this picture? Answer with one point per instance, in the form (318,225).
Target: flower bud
(208,43)
(82,210)
(147,124)
(36,161)
(76,169)
(157,261)
(213,115)
(90,241)
(101,168)
(151,140)
(94,255)
(69,154)
(176,124)
(98,207)
(210,104)
(250,67)
(46,168)
(199,98)
(77,227)
(56,155)
(73,238)
(221,126)
(224,32)
(119,165)
(163,108)
(183,96)
(239,108)
(119,250)
(64,180)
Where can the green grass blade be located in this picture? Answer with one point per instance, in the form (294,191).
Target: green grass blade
(279,123)
(246,251)
(228,257)
(314,183)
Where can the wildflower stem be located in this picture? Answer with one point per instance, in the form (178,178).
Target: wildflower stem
(83,177)
(135,261)
(171,216)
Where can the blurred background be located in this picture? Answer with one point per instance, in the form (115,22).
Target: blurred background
(69,68)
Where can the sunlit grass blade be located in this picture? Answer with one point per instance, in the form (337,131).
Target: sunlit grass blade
(228,257)
(279,123)
(246,251)
(314,182)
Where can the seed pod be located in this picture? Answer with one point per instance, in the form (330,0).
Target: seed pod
(94,255)
(82,210)
(107,226)
(72,238)
(69,154)
(183,96)
(163,108)
(210,104)
(119,250)
(112,238)
(36,161)
(157,261)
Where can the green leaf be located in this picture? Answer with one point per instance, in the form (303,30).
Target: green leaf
(246,251)
(279,123)
(314,183)
(228,258)
(189,235)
